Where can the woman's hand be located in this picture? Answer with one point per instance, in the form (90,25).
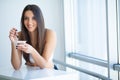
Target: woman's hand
(13,35)
(25,48)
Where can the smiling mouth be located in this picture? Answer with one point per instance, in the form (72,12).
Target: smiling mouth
(29,26)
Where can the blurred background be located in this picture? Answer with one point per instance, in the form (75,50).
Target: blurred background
(88,34)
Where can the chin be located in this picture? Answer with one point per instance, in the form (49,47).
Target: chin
(31,30)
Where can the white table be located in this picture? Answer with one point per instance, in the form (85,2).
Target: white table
(35,73)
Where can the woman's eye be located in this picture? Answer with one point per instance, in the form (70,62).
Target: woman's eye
(25,18)
(33,18)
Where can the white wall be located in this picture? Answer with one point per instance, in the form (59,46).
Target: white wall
(10,14)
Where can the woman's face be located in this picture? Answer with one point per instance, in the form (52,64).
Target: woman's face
(30,21)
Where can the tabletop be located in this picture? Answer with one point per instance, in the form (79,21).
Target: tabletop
(35,73)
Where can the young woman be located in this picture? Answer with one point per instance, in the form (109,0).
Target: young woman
(40,42)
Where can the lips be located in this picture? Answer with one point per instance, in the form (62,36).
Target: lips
(29,27)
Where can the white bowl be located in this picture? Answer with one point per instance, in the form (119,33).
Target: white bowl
(20,42)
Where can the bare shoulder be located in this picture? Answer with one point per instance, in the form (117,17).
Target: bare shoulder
(50,31)
(50,34)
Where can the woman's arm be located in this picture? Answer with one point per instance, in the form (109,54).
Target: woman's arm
(45,61)
(16,56)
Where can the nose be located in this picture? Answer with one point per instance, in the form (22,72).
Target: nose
(30,21)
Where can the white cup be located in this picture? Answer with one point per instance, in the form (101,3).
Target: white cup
(20,42)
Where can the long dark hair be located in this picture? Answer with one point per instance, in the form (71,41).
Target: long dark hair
(40,29)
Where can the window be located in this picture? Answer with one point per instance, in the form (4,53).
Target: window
(90,31)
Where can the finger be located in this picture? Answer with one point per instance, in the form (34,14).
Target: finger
(12,32)
(11,35)
(20,47)
(14,29)
(24,49)
(25,45)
